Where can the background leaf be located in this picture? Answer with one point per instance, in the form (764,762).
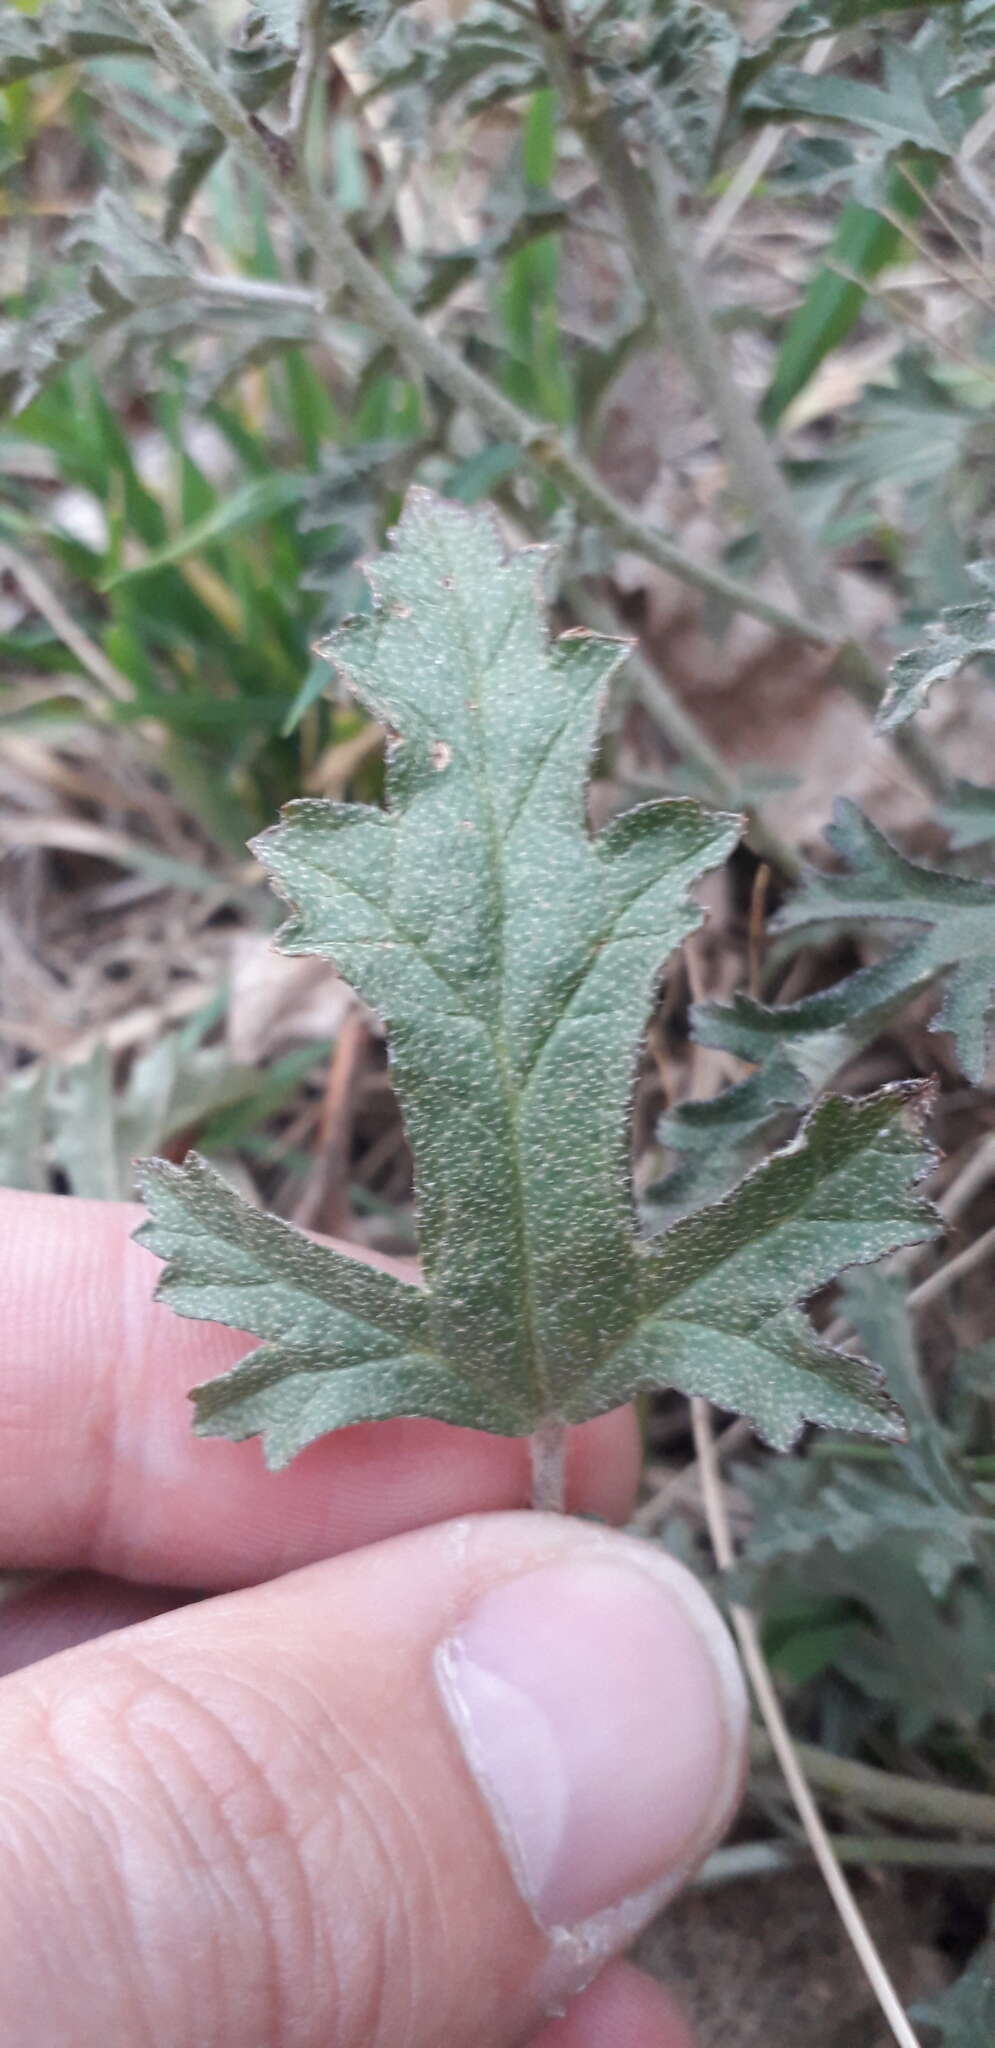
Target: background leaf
(22,1130)
(962,633)
(881,886)
(964,2016)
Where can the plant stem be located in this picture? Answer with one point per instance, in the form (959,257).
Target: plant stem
(749,172)
(340,260)
(968,1182)
(751,1650)
(944,1277)
(548,1456)
(681,728)
(918,1802)
(91,658)
(307,74)
(256,291)
(766,1859)
(645,201)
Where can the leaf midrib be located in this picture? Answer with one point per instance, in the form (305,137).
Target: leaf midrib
(498,1036)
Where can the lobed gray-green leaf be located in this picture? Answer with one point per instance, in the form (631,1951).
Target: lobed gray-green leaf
(956,914)
(960,635)
(513,958)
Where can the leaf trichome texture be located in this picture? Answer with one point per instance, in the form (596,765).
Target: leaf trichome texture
(513,957)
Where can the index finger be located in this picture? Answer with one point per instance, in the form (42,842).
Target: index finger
(98,1466)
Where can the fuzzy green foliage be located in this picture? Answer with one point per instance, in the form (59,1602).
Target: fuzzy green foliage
(81,1121)
(964,2016)
(962,633)
(796,1049)
(22,1128)
(872,1565)
(881,886)
(513,958)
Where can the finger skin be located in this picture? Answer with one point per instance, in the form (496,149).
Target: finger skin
(623,2008)
(98,1467)
(251,1824)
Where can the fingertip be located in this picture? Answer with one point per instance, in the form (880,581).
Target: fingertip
(623,2008)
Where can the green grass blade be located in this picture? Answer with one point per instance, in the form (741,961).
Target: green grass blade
(864,244)
(250,505)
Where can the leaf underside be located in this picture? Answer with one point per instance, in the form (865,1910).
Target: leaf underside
(513,958)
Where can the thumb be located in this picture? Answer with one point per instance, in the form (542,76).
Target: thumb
(415,1795)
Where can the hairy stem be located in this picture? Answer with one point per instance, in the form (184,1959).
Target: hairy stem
(548,1457)
(255,291)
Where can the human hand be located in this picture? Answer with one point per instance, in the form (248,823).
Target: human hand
(409,1796)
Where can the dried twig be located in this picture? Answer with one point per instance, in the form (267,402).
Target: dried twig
(973,1176)
(324,1202)
(954,1269)
(673,1487)
(749,172)
(751,1650)
(40,594)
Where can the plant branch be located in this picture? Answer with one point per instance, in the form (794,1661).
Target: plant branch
(749,172)
(968,1182)
(916,1801)
(645,201)
(681,728)
(307,73)
(944,1277)
(767,1859)
(256,291)
(751,1650)
(340,261)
